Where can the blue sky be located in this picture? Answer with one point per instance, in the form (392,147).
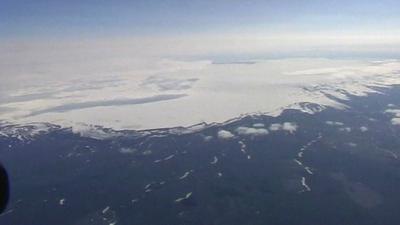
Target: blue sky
(54,18)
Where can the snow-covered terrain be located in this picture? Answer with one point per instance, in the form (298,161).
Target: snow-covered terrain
(182,93)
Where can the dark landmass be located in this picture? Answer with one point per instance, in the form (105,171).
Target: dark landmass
(337,167)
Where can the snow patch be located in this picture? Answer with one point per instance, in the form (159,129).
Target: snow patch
(305,185)
(184,198)
(62,201)
(215,160)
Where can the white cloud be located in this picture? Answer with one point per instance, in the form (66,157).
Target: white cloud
(363,129)
(396,112)
(352,144)
(275,127)
(147,152)
(249,131)
(224,134)
(286,126)
(92,131)
(345,129)
(334,123)
(208,138)
(127,150)
(258,125)
(396,121)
